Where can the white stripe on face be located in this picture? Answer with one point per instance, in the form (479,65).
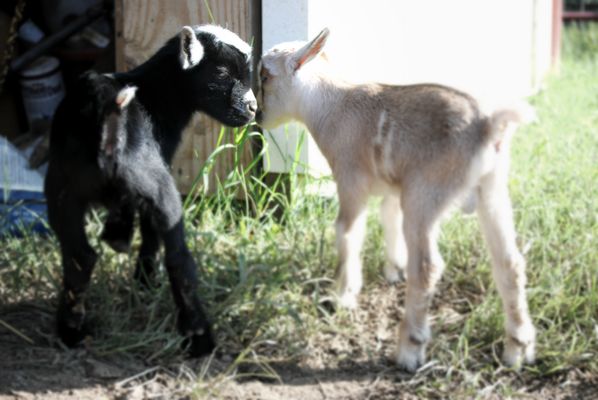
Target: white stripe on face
(226,36)
(249,97)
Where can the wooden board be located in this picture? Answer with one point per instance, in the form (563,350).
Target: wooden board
(143,26)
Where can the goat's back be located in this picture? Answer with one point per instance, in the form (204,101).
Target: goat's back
(76,152)
(402,130)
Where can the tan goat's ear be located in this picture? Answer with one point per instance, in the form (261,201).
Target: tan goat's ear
(310,50)
(191,51)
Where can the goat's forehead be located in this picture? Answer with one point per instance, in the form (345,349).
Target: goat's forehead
(273,58)
(225,36)
(285,48)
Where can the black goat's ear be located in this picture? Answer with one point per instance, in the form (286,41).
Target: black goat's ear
(191,48)
(124,97)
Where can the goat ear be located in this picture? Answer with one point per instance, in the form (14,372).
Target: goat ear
(191,49)
(124,97)
(310,50)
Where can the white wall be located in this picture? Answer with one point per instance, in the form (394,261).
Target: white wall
(498,51)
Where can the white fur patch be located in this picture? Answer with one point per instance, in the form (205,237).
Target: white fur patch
(191,51)
(226,36)
(349,242)
(125,96)
(379,133)
(249,97)
(387,151)
(384,138)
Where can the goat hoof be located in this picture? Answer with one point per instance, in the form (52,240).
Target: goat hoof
(71,326)
(199,344)
(411,353)
(71,332)
(410,360)
(348,301)
(520,346)
(516,353)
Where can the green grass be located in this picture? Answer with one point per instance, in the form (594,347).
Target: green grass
(266,264)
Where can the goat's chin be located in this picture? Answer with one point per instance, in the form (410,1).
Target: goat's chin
(267,123)
(268,126)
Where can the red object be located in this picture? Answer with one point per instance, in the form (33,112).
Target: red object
(580,15)
(557,24)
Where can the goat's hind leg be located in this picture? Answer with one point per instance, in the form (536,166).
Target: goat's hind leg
(424,269)
(182,271)
(163,205)
(391,217)
(508,267)
(67,218)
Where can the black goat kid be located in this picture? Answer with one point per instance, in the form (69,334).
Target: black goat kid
(112,139)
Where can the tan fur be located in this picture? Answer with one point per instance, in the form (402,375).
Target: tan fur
(424,148)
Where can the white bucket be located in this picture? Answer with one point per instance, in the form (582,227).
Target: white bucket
(42,88)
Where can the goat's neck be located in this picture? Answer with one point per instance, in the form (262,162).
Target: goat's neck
(162,93)
(318,97)
(162,100)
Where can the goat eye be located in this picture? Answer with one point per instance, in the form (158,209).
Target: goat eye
(264,75)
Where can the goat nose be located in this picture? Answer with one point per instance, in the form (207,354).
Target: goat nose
(252,106)
(250,102)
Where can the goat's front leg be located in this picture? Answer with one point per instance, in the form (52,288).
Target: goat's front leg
(182,271)
(508,268)
(350,232)
(391,217)
(163,203)
(424,269)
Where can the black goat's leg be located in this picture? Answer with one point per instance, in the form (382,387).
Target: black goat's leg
(67,218)
(149,256)
(162,201)
(118,228)
(182,271)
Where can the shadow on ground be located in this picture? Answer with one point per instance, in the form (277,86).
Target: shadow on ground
(33,364)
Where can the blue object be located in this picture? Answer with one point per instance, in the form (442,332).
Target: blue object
(22,203)
(22,212)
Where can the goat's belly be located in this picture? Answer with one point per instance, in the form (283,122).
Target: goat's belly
(113,193)
(382,188)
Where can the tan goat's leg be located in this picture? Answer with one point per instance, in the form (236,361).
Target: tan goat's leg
(350,232)
(424,269)
(508,268)
(391,217)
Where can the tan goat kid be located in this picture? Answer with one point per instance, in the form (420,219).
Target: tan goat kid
(424,148)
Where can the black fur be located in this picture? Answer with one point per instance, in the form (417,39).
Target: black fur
(118,157)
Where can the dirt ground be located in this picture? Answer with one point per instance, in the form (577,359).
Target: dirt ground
(44,369)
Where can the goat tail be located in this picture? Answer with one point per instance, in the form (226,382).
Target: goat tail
(503,122)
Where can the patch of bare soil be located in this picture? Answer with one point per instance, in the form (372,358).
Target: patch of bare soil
(33,365)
